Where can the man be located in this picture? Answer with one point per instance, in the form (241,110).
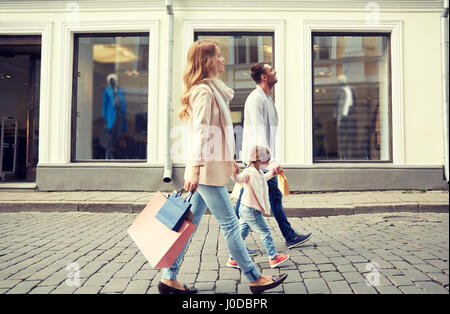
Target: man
(260,126)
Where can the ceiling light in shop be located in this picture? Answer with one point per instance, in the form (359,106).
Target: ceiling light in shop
(267,49)
(6,75)
(112,53)
(132,73)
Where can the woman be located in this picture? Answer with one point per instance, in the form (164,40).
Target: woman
(211,161)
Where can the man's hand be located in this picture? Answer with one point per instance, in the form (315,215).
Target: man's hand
(191,184)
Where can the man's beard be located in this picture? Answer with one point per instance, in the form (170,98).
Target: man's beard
(272,84)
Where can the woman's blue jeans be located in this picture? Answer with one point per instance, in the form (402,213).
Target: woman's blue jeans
(217,199)
(252,219)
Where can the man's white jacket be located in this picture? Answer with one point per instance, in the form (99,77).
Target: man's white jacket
(260,123)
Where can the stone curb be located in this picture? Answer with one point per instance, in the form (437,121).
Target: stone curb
(300,212)
(38,206)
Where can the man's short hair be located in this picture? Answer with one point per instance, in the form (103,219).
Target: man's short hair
(257,70)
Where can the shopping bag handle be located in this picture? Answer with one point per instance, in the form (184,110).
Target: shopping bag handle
(188,197)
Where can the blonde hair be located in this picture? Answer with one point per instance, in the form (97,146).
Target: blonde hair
(259,154)
(201,64)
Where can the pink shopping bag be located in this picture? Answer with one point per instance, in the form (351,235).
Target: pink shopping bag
(159,244)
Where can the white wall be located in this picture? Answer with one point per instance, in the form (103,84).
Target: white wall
(421,74)
(423,90)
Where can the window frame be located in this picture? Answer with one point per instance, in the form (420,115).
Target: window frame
(75,92)
(395,29)
(237,64)
(274,26)
(389,73)
(63,147)
(45,30)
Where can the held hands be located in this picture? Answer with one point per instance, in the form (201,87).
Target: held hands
(236,169)
(191,184)
(276,168)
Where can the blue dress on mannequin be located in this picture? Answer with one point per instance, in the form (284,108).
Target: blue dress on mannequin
(114,114)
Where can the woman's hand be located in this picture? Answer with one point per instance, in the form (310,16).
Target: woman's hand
(191,184)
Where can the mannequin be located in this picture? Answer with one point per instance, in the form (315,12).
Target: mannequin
(114,112)
(346,122)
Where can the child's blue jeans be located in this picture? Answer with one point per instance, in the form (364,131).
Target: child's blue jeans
(252,219)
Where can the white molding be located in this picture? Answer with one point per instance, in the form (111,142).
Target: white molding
(38,6)
(392,27)
(45,30)
(65,109)
(228,5)
(250,25)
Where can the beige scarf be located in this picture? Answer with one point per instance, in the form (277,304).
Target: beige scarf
(223,96)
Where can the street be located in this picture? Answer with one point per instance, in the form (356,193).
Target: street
(84,252)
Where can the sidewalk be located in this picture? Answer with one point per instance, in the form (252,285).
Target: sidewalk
(77,242)
(91,253)
(296,205)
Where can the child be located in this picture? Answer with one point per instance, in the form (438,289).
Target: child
(255,202)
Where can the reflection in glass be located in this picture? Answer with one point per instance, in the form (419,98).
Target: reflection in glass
(110,103)
(351,97)
(241,51)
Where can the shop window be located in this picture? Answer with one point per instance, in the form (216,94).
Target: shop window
(241,50)
(110,97)
(351,97)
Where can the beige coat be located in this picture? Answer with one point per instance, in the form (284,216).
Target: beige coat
(256,191)
(206,139)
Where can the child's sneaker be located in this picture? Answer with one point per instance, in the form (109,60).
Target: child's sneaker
(232,263)
(278,260)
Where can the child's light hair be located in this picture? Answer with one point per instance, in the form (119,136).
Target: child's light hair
(259,154)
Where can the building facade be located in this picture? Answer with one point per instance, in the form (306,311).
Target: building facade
(89,90)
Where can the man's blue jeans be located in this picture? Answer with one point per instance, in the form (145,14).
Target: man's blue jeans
(276,206)
(217,199)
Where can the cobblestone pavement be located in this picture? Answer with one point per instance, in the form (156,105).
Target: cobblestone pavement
(83,252)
